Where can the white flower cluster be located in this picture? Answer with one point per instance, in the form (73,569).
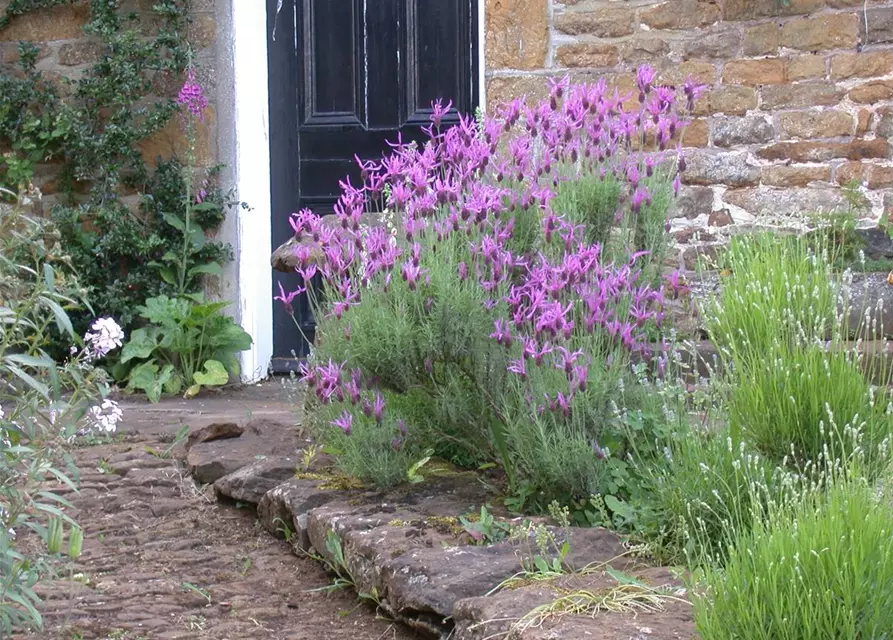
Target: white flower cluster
(105,417)
(104,336)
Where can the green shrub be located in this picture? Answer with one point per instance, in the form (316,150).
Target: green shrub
(44,406)
(188,344)
(823,571)
(709,491)
(797,392)
(498,299)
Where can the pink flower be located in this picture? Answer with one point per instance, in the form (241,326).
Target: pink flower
(192,97)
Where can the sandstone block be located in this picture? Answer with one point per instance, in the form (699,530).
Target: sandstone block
(707,168)
(754,72)
(587,54)
(872,92)
(861,65)
(731,100)
(815,124)
(795,175)
(762,39)
(800,96)
(748,9)
(605,22)
(766,201)
(806,67)
(62,22)
(729,132)
(693,201)
(879,23)
(502,89)
(724,44)
(681,14)
(517,34)
(880,177)
(825,151)
(830,31)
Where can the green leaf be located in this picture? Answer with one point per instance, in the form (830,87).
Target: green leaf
(206,206)
(141,345)
(38,362)
(49,277)
(39,387)
(167,274)
(62,320)
(174,221)
(212,269)
(214,374)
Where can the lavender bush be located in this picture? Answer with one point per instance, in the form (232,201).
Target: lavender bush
(486,293)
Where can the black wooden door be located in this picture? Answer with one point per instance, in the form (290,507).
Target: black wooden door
(345,77)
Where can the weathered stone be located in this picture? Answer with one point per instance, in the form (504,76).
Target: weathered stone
(681,14)
(676,74)
(170,141)
(495,616)
(724,43)
(517,34)
(250,483)
(861,65)
(693,234)
(720,218)
(805,67)
(62,22)
(754,72)
(828,31)
(848,172)
(586,54)
(879,24)
(877,245)
(729,132)
(799,96)
(732,169)
(795,175)
(824,151)
(202,30)
(608,22)
(885,122)
(503,89)
(871,92)
(214,431)
(638,50)
(880,177)
(696,133)
(72,54)
(209,461)
(765,201)
(762,39)
(730,100)
(283,510)
(702,256)
(815,124)
(747,9)
(863,122)
(427,583)
(693,202)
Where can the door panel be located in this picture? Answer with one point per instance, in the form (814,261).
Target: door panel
(346,76)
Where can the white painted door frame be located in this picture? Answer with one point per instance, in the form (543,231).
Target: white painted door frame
(252,177)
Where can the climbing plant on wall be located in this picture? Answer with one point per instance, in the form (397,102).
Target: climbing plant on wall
(91,128)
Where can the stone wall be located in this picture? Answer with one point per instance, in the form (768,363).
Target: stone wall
(800,98)
(66,53)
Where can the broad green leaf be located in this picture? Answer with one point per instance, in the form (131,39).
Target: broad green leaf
(212,269)
(167,274)
(206,206)
(173,221)
(140,346)
(214,374)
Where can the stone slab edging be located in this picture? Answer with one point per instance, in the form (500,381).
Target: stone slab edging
(406,552)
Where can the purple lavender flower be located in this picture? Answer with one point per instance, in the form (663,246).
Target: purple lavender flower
(378,407)
(345,422)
